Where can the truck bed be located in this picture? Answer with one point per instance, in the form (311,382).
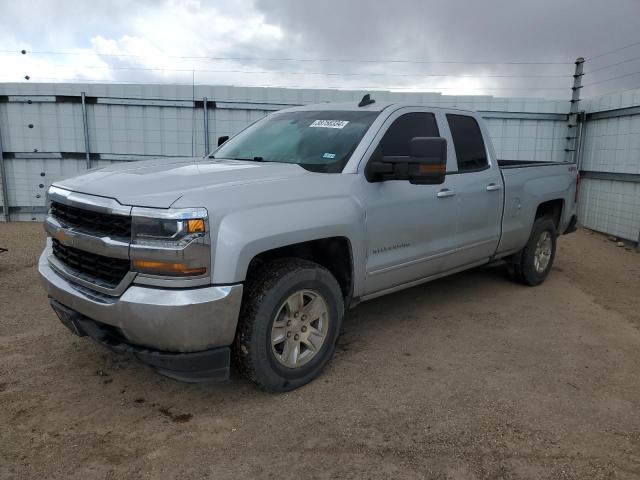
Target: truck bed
(525,188)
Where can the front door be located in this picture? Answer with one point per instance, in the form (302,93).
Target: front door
(410,228)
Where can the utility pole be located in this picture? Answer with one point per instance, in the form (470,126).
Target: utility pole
(573,137)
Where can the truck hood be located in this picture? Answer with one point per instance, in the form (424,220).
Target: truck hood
(161,182)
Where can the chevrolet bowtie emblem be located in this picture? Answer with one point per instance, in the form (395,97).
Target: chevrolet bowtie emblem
(64,237)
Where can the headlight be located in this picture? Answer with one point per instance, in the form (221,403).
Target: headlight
(170,243)
(158,231)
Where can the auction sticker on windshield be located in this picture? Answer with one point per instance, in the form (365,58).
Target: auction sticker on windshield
(329,123)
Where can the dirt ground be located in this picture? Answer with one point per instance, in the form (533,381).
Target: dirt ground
(467,377)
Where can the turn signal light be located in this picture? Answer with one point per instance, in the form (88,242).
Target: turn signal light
(168,269)
(426,168)
(195,226)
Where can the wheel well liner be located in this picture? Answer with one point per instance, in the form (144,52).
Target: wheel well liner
(552,209)
(333,253)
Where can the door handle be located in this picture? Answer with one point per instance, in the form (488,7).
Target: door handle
(445,192)
(493,187)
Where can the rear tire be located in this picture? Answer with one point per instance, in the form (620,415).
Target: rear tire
(533,263)
(290,318)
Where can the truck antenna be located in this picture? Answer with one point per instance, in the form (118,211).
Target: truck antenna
(366,100)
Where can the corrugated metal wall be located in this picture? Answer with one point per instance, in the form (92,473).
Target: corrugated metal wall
(42,133)
(610,164)
(41,125)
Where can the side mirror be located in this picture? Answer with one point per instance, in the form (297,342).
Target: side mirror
(425,165)
(428,160)
(222,139)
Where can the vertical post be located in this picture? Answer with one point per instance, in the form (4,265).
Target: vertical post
(193,113)
(5,187)
(582,125)
(206,127)
(85,124)
(572,124)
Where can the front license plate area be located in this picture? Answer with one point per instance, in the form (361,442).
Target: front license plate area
(67,317)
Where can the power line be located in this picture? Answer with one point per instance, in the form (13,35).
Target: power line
(612,65)
(324,60)
(637,87)
(339,74)
(612,78)
(330,87)
(614,51)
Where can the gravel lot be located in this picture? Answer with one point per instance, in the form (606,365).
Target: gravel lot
(471,377)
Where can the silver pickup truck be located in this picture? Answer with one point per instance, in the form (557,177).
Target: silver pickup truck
(253,254)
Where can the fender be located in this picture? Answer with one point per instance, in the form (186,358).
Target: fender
(244,234)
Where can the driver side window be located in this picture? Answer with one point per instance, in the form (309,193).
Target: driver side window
(397,140)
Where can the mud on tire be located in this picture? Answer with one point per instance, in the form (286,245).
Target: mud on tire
(267,293)
(526,266)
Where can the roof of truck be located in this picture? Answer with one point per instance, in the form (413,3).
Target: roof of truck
(372,107)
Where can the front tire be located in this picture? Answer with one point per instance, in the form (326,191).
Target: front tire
(533,263)
(290,319)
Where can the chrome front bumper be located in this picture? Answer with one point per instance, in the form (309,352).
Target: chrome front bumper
(177,320)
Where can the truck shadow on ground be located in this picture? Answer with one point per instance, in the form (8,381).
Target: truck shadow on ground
(415,303)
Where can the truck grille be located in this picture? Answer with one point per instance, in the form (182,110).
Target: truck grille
(103,271)
(103,224)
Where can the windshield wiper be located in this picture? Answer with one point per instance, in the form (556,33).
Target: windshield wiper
(254,159)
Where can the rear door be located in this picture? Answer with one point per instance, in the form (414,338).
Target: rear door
(478,189)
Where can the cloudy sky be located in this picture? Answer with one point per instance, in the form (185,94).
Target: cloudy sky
(494,47)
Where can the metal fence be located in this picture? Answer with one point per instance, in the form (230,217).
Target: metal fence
(609,161)
(53,131)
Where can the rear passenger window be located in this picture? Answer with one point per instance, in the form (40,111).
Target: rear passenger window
(468,142)
(397,140)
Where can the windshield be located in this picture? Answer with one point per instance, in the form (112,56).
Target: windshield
(320,141)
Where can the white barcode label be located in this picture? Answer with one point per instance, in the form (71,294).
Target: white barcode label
(329,123)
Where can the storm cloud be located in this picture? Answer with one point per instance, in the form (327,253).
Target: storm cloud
(495,47)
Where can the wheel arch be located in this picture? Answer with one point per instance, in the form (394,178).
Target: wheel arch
(552,209)
(333,253)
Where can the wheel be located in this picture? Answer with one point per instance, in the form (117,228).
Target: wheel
(290,318)
(533,263)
